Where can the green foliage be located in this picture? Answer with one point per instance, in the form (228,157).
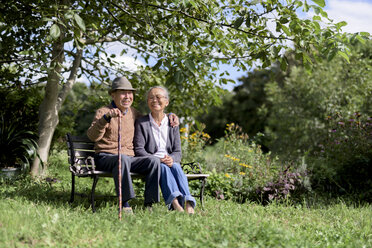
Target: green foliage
(18,126)
(185,41)
(17,145)
(193,143)
(237,165)
(300,105)
(21,105)
(246,106)
(77,113)
(343,161)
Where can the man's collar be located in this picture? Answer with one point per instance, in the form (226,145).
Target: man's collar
(114,106)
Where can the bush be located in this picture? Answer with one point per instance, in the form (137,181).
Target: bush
(194,141)
(342,162)
(240,170)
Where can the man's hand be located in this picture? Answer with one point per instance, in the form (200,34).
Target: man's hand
(168,160)
(115,112)
(174,120)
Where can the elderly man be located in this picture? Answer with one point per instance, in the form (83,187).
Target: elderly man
(104,132)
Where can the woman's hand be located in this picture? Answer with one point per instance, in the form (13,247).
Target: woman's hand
(168,160)
(174,120)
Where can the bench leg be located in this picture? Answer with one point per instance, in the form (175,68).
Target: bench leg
(72,197)
(95,181)
(202,192)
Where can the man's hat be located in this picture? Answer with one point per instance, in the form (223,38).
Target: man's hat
(121,83)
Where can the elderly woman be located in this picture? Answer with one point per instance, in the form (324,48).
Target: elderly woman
(155,137)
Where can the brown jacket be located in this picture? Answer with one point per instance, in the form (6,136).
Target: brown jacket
(105,134)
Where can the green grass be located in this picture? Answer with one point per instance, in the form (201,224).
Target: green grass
(36,214)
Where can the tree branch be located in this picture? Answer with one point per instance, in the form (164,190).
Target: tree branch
(220,24)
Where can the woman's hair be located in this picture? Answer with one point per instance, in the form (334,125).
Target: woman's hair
(158,87)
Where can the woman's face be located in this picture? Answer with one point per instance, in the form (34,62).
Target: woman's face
(156,100)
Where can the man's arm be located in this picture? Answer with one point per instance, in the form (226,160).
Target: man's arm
(98,127)
(176,148)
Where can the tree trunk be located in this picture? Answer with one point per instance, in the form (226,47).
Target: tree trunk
(52,103)
(48,113)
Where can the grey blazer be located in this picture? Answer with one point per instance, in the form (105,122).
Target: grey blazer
(144,141)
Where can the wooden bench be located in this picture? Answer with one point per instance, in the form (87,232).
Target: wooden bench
(80,158)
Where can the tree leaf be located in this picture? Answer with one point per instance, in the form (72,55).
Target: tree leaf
(286,30)
(364,34)
(190,65)
(157,65)
(55,32)
(283,64)
(360,39)
(344,55)
(80,22)
(238,22)
(321,3)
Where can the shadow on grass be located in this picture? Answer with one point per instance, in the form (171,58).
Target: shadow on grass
(57,192)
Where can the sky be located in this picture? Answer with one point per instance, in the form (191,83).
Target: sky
(357,14)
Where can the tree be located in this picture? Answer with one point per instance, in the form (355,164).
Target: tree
(55,42)
(247,105)
(300,105)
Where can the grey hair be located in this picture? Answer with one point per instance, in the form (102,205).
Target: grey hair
(158,87)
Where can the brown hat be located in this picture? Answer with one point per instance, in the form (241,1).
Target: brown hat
(121,83)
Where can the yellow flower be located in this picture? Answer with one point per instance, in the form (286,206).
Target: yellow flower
(205,135)
(227,156)
(235,159)
(227,175)
(183,130)
(242,173)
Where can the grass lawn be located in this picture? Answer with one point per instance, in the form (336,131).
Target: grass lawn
(36,214)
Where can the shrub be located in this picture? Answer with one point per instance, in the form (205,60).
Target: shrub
(194,141)
(17,145)
(239,169)
(287,184)
(342,162)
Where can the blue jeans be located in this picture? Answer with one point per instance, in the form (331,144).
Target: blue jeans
(174,184)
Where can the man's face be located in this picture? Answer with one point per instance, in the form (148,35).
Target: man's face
(122,98)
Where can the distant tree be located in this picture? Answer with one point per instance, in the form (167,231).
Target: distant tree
(301,103)
(55,42)
(246,105)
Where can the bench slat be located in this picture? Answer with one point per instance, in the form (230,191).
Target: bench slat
(84,146)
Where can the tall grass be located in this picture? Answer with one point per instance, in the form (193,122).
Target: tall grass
(36,214)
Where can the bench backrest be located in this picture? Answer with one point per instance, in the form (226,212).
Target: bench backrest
(79,148)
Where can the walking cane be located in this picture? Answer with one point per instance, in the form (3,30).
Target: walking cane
(119,160)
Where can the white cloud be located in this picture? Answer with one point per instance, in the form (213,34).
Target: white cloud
(357,14)
(128,59)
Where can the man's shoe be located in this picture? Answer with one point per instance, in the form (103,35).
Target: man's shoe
(128,210)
